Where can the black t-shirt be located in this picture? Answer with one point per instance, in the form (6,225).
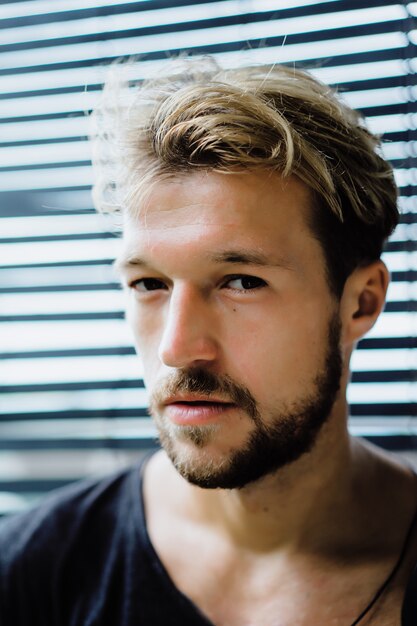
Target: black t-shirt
(83,558)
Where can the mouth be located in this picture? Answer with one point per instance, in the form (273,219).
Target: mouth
(194,411)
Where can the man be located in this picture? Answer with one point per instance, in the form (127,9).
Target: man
(255,209)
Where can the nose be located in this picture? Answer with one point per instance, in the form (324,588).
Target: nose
(188,339)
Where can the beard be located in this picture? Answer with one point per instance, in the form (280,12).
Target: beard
(289,433)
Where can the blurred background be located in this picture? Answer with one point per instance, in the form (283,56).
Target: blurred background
(72,401)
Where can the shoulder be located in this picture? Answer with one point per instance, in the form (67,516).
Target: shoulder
(61,511)
(43,551)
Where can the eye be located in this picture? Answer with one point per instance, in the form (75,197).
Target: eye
(244,283)
(144,285)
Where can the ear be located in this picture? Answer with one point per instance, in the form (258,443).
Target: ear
(362,300)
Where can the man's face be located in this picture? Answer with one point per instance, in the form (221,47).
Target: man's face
(234,322)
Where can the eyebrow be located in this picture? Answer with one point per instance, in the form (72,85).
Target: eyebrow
(237,257)
(122,263)
(244,257)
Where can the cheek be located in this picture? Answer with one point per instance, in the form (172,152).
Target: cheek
(146,330)
(284,349)
(144,321)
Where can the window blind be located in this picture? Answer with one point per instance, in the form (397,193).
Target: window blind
(72,399)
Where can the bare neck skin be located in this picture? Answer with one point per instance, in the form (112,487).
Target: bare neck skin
(286,510)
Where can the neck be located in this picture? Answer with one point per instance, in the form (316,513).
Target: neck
(288,507)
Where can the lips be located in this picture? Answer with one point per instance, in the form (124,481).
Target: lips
(195,410)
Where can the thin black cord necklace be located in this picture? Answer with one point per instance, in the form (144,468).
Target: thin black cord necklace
(391,575)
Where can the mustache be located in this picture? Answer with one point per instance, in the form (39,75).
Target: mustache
(204,382)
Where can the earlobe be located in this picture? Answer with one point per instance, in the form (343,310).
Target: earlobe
(363,299)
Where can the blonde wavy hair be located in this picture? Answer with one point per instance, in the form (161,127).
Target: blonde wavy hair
(200,116)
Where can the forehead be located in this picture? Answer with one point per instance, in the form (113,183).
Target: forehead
(205,204)
(187,221)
